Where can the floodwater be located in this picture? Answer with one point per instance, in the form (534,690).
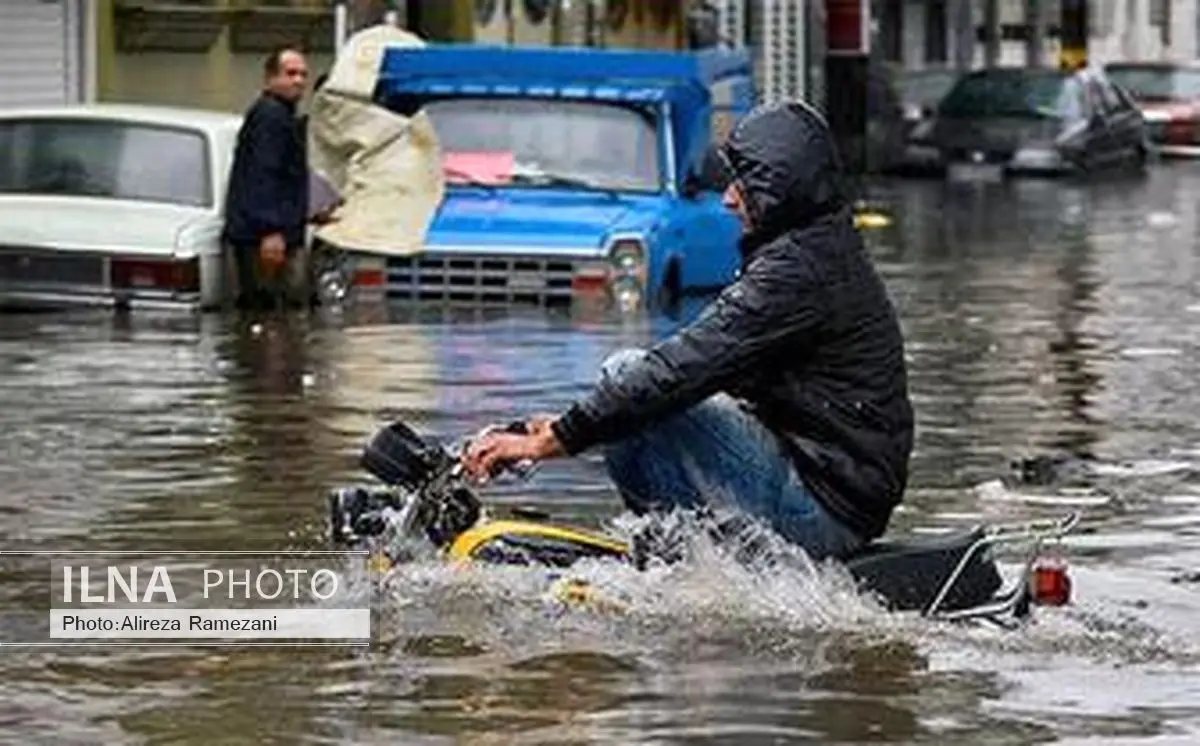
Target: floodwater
(1042,319)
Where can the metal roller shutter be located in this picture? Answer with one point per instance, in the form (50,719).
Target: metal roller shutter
(39,52)
(778,32)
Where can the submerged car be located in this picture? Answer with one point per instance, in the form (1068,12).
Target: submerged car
(1168,94)
(1001,121)
(114,205)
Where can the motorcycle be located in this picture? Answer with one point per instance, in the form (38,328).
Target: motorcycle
(425,503)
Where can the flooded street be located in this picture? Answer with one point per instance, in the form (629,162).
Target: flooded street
(1042,318)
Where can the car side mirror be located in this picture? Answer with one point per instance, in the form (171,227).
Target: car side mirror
(705,175)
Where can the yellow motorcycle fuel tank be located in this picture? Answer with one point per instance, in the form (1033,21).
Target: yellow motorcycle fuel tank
(526,542)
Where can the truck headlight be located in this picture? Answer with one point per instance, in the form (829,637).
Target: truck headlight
(628,259)
(628,270)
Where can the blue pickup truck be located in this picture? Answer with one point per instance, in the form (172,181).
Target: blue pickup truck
(569,172)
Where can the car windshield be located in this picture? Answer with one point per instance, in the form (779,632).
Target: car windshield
(535,141)
(925,87)
(1007,93)
(103,158)
(1157,83)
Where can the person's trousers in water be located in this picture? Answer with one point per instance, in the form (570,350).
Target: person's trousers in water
(717,454)
(253,287)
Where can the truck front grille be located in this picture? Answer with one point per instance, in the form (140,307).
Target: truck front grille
(481,278)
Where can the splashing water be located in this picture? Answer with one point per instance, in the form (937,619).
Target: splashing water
(751,587)
(751,590)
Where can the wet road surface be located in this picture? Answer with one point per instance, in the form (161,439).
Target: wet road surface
(1042,318)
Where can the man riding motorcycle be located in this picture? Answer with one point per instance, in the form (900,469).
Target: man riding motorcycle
(787,398)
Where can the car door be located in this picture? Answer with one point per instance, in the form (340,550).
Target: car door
(1102,143)
(1125,122)
(705,236)
(1073,140)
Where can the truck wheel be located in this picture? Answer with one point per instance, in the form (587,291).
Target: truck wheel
(672,288)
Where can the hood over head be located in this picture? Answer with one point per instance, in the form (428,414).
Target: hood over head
(785,160)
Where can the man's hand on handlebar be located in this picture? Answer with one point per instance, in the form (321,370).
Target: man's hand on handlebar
(496,448)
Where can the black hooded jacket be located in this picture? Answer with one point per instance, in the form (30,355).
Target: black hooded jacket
(806,337)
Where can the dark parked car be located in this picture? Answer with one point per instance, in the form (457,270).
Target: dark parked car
(922,90)
(1008,120)
(897,101)
(1168,93)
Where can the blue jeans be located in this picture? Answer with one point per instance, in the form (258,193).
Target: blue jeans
(717,454)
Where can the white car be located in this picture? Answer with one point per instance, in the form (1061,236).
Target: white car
(113,205)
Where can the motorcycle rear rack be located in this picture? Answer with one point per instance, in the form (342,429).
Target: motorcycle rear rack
(1011,603)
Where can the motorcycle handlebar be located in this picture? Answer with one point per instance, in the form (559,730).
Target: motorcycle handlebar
(521,469)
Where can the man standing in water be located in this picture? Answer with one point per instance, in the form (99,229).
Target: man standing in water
(787,399)
(266,207)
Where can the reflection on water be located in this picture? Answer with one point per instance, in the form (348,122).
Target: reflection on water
(1044,319)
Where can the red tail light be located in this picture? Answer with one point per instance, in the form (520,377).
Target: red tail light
(1050,583)
(179,275)
(1181,132)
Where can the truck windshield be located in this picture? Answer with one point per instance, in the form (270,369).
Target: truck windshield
(550,142)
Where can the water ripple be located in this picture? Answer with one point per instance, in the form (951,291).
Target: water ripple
(1045,321)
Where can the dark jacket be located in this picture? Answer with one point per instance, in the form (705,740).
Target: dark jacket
(806,337)
(268,182)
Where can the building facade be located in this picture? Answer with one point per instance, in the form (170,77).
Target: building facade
(208,53)
(203,54)
(923,33)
